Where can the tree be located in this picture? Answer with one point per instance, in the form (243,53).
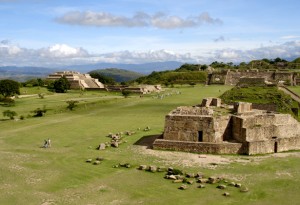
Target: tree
(61,85)
(125,93)
(71,104)
(9,88)
(9,113)
(204,67)
(102,78)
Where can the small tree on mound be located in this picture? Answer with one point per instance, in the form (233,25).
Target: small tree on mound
(9,113)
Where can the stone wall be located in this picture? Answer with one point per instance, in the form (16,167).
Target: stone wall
(274,145)
(254,81)
(238,133)
(262,131)
(187,128)
(217,77)
(267,107)
(232,77)
(200,147)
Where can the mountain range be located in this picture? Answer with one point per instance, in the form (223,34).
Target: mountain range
(27,72)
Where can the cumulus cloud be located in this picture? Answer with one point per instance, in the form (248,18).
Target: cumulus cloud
(289,37)
(61,54)
(12,54)
(7,48)
(62,51)
(286,50)
(159,20)
(142,57)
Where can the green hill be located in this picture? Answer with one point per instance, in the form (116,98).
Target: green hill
(261,95)
(173,77)
(119,75)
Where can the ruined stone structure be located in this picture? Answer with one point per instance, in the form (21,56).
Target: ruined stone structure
(223,129)
(140,89)
(77,80)
(233,77)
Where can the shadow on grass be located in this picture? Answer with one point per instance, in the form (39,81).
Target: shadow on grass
(148,140)
(4,119)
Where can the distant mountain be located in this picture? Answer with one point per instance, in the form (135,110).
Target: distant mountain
(144,68)
(24,73)
(28,72)
(119,75)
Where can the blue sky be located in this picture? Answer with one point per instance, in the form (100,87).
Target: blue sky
(54,33)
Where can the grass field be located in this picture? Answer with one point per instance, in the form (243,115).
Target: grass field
(59,175)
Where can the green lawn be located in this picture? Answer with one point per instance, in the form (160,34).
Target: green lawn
(59,175)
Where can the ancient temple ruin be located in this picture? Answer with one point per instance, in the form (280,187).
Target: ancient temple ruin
(77,80)
(255,77)
(216,128)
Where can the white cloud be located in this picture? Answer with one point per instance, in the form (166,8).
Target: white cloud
(9,49)
(286,50)
(290,37)
(62,54)
(143,57)
(62,51)
(159,20)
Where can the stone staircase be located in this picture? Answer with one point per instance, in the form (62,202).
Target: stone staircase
(91,83)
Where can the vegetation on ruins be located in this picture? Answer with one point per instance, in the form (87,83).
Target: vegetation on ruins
(173,77)
(262,95)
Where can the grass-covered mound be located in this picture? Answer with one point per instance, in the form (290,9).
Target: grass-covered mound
(261,95)
(171,77)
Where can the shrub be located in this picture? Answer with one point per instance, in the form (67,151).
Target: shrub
(41,95)
(7,102)
(39,112)
(125,93)
(71,104)
(9,113)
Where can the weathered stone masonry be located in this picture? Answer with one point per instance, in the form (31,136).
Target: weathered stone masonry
(232,77)
(226,130)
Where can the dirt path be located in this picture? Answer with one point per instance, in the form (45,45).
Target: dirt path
(205,160)
(290,93)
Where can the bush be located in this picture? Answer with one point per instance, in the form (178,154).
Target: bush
(7,102)
(39,112)
(41,95)
(9,113)
(125,93)
(71,104)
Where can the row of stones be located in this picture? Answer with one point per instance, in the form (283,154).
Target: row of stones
(179,177)
(188,179)
(117,139)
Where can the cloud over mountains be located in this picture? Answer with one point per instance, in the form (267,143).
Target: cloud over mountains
(62,54)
